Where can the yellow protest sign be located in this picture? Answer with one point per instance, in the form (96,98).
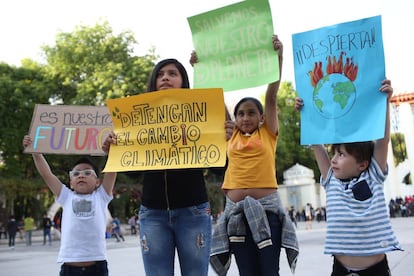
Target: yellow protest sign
(168,129)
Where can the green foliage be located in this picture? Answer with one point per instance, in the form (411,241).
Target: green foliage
(289,151)
(85,67)
(398,147)
(20,89)
(216,197)
(408,180)
(25,196)
(93,65)
(127,195)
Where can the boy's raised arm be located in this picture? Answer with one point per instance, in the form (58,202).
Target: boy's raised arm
(51,180)
(381,145)
(322,158)
(109,179)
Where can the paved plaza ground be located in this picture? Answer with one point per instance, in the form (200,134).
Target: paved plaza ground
(125,257)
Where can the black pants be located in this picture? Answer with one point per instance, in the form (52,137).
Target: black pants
(100,268)
(379,269)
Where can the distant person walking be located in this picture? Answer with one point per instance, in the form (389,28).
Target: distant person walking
(292,215)
(28,227)
(116,230)
(12,227)
(3,230)
(133,225)
(47,226)
(308,216)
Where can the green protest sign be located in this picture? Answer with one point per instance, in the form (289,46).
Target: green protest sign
(234,46)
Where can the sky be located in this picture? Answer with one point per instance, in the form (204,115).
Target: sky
(28,24)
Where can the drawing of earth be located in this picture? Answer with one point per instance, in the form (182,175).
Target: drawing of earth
(333,96)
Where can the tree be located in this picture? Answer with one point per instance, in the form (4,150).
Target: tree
(20,89)
(92,64)
(289,150)
(398,147)
(85,67)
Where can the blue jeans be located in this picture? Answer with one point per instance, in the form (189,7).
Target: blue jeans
(252,261)
(187,230)
(28,237)
(46,233)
